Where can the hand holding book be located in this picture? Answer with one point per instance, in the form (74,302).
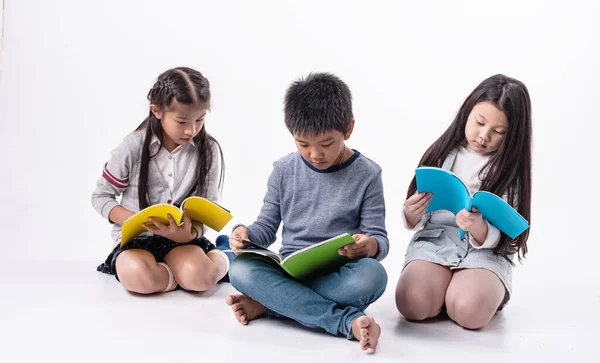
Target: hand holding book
(452,194)
(415,207)
(364,246)
(239,238)
(180,233)
(473,223)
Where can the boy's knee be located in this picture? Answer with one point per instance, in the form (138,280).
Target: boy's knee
(240,271)
(371,274)
(367,282)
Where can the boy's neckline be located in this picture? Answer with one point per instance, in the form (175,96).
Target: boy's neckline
(333,168)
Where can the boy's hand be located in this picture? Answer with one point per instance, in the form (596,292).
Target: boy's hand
(237,238)
(473,223)
(364,246)
(183,233)
(415,207)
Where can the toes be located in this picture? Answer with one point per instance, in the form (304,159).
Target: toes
(233,299)
(364,332)
(363,322)
(241,316)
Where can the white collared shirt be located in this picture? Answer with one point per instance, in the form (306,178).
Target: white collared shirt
(171,177)
(171,163)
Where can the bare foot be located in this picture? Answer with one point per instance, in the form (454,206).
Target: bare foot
(245,308)
(367,332)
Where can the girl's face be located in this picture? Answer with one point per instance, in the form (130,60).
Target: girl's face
(180,124)
(486,128)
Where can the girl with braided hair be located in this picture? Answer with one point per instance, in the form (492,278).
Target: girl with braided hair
(169,157)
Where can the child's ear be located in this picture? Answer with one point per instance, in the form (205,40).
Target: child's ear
(349,132)
(156,111)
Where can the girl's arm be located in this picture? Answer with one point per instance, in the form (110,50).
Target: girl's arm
(119,214)
(487,239)
(113,181)
(491,239)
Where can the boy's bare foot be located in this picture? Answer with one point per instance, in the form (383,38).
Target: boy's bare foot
(245,308)
(367,332)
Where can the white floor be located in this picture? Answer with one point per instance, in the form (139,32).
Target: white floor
(67,69)
(66,311)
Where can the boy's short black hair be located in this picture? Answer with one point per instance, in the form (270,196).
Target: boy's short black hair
(319,103)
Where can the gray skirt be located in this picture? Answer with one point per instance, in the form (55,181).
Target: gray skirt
(440,244)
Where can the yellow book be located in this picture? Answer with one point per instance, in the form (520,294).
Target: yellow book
(198,209)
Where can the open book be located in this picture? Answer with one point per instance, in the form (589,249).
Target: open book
(198,209)
(451,194)
(309,261)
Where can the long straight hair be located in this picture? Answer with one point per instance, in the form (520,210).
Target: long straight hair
(188,87)
(509,169)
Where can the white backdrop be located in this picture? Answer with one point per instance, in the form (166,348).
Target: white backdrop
(75,75)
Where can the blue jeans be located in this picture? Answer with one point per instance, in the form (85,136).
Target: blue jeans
(330,302)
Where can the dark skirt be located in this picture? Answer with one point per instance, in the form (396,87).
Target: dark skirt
(158,246)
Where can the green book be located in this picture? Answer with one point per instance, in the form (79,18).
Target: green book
(309,261)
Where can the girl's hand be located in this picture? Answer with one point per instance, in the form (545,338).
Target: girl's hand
(364,246)
(183,233)
(415,207)
(473,223)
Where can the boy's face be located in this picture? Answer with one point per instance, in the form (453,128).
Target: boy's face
(324,150)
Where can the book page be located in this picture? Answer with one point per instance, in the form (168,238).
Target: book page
(133,225)
(449,192)
(206,212)
(260,251)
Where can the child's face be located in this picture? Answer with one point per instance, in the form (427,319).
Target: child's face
(486,128)
(180,123)
(323,150)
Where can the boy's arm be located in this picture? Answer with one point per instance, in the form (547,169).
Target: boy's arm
(114,180)
(372,216)
(263,231)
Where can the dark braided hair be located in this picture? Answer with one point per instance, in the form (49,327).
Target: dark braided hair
(188,87)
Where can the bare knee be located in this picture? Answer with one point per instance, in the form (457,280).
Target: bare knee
(193,276)
(415,302)
(471,311)
(136,275)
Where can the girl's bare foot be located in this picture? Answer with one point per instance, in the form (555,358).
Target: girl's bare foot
(367,332)
(245,308)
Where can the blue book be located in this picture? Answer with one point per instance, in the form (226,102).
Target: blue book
(451,194)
